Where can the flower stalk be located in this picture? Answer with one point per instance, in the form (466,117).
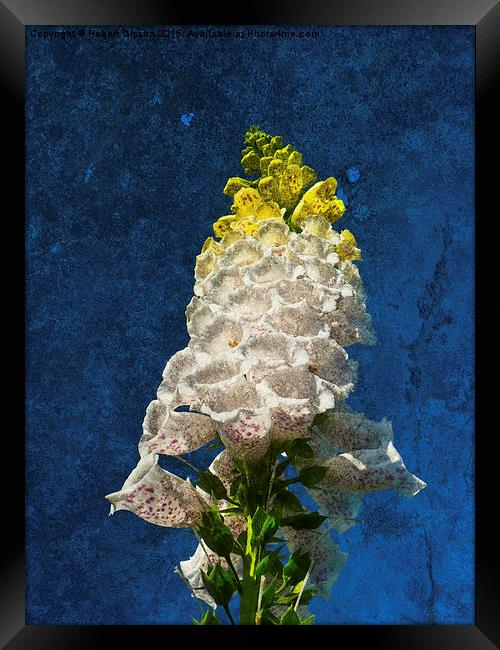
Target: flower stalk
(265,379)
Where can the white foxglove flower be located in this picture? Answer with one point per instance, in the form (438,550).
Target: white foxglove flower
(327,558)
(158,496)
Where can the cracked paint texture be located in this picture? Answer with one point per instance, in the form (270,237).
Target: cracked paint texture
(129,145)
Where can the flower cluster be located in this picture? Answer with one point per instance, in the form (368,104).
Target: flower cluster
(266,373)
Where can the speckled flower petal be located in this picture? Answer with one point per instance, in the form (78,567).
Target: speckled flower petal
(317,225)
(247,434)
(178,367)
(212,370)
(298,320)
(273,232)
(340,506)
(269,270)
(291,422)
(350,431)
(199,314)
(191,570)
(309,245)
(350,323)
(171,433)
(223,400)
(206,263)
(222,335)
(295,386)
(158,496)
(330,362)
(328,559)
(274,347)
(249,303)
(224,468)
(219,287)
(322,272)
(370,470)
(242,253)
(297,291)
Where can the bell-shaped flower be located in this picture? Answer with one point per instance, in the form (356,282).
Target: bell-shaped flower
(360,457)
(371,470)
(327,558)
(158,496)
(320,200)
(172,433)
(202,560)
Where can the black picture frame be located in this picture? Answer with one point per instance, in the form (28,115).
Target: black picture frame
(14,16)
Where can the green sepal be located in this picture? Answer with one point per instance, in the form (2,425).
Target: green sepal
(297,567)
(268,595)
(262,566)
(212,484)
(299,448)
(215,533)
(311,476)
(286,503)
(304,521)
(219,583)
(209,618)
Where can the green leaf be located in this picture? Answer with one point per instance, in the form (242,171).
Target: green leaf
(212,484)
(268,595)
(258,519)
(269,527)
(304,521)
(300,448)
(319,419)
(209,618)
(269,619)
(313,475)
(217,536)
(286,503)
(262,566)
(297,566)
(290,617)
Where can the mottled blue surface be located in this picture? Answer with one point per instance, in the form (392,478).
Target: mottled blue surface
(130,143)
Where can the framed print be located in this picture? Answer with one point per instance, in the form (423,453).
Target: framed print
(250,292)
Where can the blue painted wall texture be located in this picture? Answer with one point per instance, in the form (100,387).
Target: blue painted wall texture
(130,143)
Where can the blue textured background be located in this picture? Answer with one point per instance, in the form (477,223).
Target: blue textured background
(121,193)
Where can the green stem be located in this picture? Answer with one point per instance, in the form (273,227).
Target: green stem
(249,600)
(250,586)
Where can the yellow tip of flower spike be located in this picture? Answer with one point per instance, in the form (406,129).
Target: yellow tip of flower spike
(280,193)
